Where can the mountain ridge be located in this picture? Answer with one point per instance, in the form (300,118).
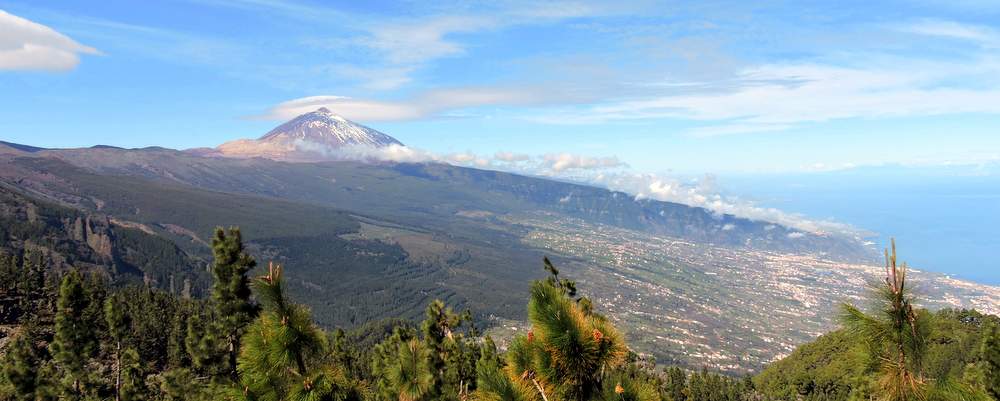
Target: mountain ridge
(313,136)
(413,232)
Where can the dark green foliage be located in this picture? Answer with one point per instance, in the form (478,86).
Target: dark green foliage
(23,288)
(372,279)
(133,377)
(165,347)
(568,353)
(494,383)
(117,326)
(452,356)
(830,368)
(896,338)
(37,232)
(179,384)
(22,375)
(283,351)
(990,351)
(627,387)
(177,355)
(708,386)
(207,351)
(231,290)
(409,376)
(438,363)
(349,356)
(837,367)
(160,261)
(75,339)
(354,350)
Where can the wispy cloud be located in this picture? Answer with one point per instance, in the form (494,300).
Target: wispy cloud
(951,29)
(776,97)
(405,45)
(434,103)
(770,96)
(415,42)
(289,9)
(27,45)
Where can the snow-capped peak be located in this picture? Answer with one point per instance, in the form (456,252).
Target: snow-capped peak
(324,127)
(310,136)
(325,112)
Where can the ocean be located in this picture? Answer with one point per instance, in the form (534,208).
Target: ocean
(945,220)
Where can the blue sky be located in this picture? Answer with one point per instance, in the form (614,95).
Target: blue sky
(638,96)
(689,87)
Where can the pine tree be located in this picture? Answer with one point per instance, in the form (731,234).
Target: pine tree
(205,349)
(675,384)
(22,365)
(118,325)
(74,341)
(31,287)
(624,387)
(344,355)
(411,376)
(384,356)
(895,335)
(282,350)
(991,360)
(179,384)
(569,350)
(493,383)
(132,376)
(177,355)
(452,358)
(231,289)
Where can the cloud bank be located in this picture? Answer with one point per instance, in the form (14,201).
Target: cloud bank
(27,45)
(566,161)
(605,172)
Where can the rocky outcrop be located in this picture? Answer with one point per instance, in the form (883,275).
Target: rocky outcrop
(98,233)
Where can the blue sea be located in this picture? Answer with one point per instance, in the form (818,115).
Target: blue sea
(944,219)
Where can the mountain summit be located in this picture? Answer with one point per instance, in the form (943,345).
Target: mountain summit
(308,137)
(325,127)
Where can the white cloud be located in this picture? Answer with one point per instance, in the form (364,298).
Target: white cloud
(703,193)
(510,157)
(407,44)
(953,30)
(776,97)
(428,104)
(467,159)
(354,109)
(392,153)
(421,41)
(566,161)
(27,45)
(603,172)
